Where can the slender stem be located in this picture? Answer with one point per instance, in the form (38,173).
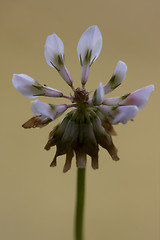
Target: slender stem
(80,204)
(73,88)
(68,97)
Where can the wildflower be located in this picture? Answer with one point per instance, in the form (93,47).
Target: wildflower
(90,122)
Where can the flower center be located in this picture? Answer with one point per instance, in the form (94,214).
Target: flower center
(81,97)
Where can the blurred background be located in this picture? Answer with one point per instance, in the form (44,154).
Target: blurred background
(122,198)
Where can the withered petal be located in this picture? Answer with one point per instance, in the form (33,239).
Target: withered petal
(36,121)
(109,128)
(103,138)
(54,162)
(56,134)
(106,142)
(106,124)
(94,162)
(87,142)
(112,151)
(68,139)
(68,162)
(52,141)
(50,144)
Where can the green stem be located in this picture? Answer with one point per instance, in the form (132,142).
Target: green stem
(80,204)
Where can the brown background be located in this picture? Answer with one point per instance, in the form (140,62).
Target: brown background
(122,199)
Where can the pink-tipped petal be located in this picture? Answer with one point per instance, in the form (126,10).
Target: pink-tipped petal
(119,114)
(50,92)
(139,97)
(60,109)
(124,113)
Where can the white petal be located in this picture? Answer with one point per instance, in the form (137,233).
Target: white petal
(120,71)
(98,95)
(124,113)
(24,84)
(54,54)
(61,108)
(91,43)
(139,97)
(47,110)
(41,108)
(53,48)
(30,88)
(117,78)
(120,114)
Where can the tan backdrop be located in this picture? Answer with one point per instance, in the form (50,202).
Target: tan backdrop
(122,199)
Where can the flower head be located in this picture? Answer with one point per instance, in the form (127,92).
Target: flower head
(89,122)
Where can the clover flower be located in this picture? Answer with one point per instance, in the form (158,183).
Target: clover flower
(89,122)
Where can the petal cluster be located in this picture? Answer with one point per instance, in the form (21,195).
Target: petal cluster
(89,121)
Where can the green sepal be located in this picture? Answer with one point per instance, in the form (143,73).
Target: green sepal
(125,96)
(40,88)
(112,80)
(55,67)
(114,108)
(52,106)
(87,58)
(60,59)
(80,60)
(94,97)
(92,61)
